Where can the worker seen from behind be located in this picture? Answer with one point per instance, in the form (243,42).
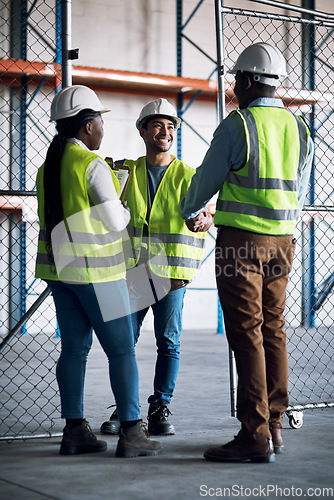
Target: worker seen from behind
(157,183)
(259,162)
(80,257)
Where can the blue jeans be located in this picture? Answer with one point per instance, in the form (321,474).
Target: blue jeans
(167,314)
(78,314)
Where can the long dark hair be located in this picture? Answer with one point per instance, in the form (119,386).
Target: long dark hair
(53,207)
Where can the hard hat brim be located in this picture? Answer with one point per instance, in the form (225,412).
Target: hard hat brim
(141,121)
(72,113)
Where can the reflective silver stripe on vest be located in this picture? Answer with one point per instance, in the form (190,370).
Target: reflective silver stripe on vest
(177,262)
(183,239)
(88,238)
(257,211)
(253,181)
(303,144)
(262,183)
(86,262)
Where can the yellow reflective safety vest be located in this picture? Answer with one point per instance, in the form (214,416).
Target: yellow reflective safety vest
(262,196)
(167,232)
(84,250)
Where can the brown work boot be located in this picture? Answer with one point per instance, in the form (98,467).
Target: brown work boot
(276,432)
(135,442)
(80,440)
(240,450)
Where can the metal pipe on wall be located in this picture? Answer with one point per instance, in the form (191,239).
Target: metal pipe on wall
(179,28)
(221,116)
(303,9)
(220,59)
(66,39)
(308,270)
(17,167)
(58,44)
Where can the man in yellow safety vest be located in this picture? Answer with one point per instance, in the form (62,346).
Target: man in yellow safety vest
(169,250)
(259,162)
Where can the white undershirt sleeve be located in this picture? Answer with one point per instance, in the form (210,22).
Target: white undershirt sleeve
(101,190)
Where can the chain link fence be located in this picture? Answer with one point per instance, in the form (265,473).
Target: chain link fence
(307,45)
(29,70)
(29,74)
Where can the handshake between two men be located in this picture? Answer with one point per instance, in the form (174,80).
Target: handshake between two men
(202,222)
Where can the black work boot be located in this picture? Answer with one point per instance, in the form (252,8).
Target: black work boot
(111,426)
(135,442)
(80,439)
(157,417)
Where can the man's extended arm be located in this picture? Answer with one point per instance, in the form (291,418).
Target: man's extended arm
(227,150)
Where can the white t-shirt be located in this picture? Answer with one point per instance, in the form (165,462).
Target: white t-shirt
(101,190)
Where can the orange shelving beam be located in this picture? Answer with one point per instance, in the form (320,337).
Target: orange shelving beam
(129,82)
(125,82)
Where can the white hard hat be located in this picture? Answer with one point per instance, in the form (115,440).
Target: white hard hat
(158,107)
(71,100)
(263,60)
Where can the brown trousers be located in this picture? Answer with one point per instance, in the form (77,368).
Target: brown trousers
(252,272)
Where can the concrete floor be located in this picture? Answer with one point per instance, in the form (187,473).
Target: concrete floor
(34,470)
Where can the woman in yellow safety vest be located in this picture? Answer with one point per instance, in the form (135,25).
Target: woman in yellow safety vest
(80,257)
